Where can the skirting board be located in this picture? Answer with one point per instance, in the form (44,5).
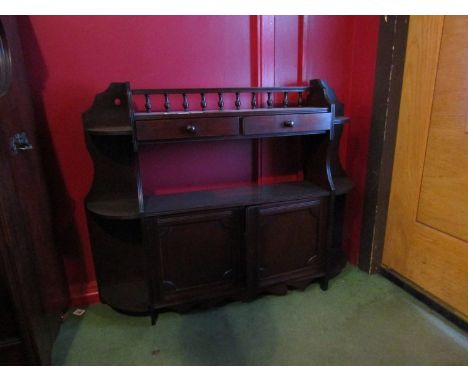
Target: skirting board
(82,295)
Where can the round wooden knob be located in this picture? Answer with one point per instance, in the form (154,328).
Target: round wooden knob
(288,123)
(192,129)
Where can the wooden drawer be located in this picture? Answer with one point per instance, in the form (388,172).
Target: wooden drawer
(186,128)
(286,123)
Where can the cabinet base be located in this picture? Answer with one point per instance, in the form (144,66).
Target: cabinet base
(244,295)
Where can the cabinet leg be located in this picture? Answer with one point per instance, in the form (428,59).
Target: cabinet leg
(154,317)
(323,284)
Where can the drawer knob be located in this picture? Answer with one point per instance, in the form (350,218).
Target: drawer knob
(288,123)
(192,129)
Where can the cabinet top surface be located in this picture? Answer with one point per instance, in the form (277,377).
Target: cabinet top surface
(140,116)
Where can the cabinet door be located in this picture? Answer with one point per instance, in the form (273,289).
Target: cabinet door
(286,241)
(198,254)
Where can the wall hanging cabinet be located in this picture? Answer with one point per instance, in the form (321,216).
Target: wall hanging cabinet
(156,251)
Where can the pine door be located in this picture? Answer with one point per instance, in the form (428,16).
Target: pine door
(426,239)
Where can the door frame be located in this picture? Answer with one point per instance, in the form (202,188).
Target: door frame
(390,64)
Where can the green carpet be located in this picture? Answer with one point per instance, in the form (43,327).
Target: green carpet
(360,320)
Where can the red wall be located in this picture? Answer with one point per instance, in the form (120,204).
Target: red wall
(72,58)
(359,107)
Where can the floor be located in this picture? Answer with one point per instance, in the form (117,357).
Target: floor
(360,320)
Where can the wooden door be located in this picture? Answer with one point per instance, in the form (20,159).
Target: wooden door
(286,241)
(199,254)
(426,239)
(31,270)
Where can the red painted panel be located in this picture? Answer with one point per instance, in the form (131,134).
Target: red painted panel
(286,50)
(279,157)
(360,109)
(177,167)
(329,52)
(72,58)
(331,61)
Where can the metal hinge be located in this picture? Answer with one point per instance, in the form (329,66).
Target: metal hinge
(20,142)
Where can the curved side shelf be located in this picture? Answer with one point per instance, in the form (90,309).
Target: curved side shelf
(117,209)
(114,191)
(342,185)
(110,130)
(340,120)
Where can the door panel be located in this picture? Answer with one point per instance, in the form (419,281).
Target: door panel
(443,203)
(199,251)
(287,239)
(427,225)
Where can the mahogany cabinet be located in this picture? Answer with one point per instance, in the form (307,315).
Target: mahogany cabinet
(173,250)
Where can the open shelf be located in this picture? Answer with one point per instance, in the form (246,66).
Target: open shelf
(116,208)
(342,185)
(127,208)
(110,130)
(340,120)
(231,197)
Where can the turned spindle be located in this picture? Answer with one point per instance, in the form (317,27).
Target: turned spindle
(269,100)
(167,102)
(254,100)
(285,99)
(148,105)
(203,102)
(238,101)
(221,101)
(185,104)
